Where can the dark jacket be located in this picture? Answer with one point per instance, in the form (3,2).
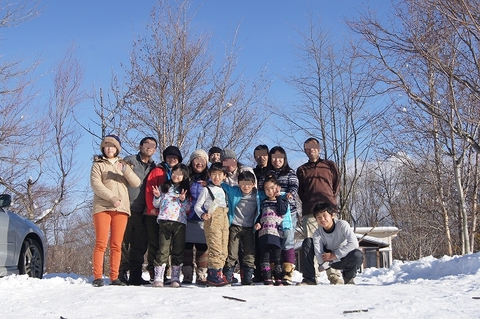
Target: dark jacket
(137,194)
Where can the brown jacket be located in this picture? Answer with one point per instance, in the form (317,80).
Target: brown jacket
(318,182)
(110,185)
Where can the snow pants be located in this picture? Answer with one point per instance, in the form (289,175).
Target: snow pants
(216,233)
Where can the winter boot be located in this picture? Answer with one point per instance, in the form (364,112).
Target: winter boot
(278,275)
(288,273)
(175,281)
(159,273)
(228,272)
(168,270)
(187,275)
(350,281)
(334,276)
(117,282)
(267,274)
(98,283)
(123,276)
(151,273)
(201,276)
(247,276)
(216,277)
(136,278)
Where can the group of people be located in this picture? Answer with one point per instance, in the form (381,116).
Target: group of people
(204,218)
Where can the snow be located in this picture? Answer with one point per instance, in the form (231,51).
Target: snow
(427,288)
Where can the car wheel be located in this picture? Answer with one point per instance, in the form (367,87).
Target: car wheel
(31,259)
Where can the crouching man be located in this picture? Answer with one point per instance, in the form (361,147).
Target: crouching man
(336,246)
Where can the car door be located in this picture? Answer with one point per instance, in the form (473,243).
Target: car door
(7,244)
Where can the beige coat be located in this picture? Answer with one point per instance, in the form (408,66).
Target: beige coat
(110,185)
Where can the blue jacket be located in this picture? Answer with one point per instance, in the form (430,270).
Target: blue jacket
(234,195)
(195,190)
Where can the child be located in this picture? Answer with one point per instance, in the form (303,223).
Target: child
(173,205)
(212,207)
(273,210)
(336,245)
(244,209)
(109,178)
(157,176)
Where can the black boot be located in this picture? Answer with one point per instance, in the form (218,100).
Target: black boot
(247,276)
(229,274)
(278,275)
(123,276)
(136,278)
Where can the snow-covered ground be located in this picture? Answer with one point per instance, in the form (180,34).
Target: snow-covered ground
(428,288)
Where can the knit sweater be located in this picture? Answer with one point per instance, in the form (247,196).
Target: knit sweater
(271,222)
(109,185)
(319,182)
(288,184)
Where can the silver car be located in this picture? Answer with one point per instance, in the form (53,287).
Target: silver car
(22,244)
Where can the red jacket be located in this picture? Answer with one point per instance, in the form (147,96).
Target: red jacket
(157,177)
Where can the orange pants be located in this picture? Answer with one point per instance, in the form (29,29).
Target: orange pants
(104,222)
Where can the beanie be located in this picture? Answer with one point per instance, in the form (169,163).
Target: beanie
(198,153)
(214,149)
(111,140)
(227,154)
(172,150)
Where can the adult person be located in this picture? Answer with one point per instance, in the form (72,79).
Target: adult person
(195,234)
(288,182)
(109,178)
(214,154)
(157,176)
(134,244)
(260,153)
(233,167)
(319,182)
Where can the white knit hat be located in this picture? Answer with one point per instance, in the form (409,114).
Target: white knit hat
(198,153)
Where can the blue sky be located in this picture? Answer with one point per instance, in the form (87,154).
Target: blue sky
(103,31)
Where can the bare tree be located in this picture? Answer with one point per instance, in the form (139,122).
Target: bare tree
(336,105)
(13,13)
(176,92)
(428,51)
